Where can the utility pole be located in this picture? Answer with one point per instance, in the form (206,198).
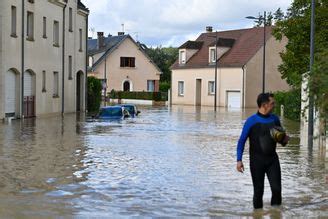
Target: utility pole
(311,102)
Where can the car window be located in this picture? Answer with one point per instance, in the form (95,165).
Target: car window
(111,112)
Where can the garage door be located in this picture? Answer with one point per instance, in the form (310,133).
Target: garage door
(233,99)
(10,93)
(28,86)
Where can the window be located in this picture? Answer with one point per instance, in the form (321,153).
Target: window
(44,81)
(151,85)
(211,87)
(56,84)
(44,27)
(182,57)
(31,1)
(180,88)
(212,55)
(56,34)
(30,26)
(70,68)
(70,17)
(13,21)
(90,61)
(80,40)
(128,62)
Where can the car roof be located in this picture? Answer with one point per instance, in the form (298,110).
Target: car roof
(108,107)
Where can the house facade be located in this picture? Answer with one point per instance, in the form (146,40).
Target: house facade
(42,57)
(122,64)
(239,68)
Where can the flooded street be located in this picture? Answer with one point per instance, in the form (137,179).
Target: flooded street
(167,162)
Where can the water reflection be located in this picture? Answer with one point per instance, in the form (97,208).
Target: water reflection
(167,162)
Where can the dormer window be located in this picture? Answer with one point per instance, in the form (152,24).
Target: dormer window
(182,57)
(212,55)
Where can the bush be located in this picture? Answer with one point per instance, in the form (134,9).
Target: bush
(164,86)
(94,94)
(139,95)
(291,101)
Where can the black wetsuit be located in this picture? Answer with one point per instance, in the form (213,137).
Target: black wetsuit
(263,156)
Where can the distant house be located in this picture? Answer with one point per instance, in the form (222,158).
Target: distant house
(239,71)
(122,64)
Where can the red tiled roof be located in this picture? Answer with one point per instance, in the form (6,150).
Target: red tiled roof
(247,43)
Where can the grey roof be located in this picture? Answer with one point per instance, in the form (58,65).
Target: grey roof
(82,6)
(109,43)
(191,45)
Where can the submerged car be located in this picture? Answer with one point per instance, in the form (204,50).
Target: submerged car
(112,113)
(131,108)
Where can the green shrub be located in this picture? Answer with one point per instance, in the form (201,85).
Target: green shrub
(94,94)
(164,86)
(291,100)
(139,95)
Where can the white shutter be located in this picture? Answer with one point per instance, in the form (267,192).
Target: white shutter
(233,99)
(28,86)
(10,92)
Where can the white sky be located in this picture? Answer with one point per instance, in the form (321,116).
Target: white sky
(172,22)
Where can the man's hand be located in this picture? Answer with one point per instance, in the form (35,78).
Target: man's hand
(240,166)
(285,140)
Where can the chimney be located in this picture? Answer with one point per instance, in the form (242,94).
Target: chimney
(120,33)
(209,29)
(100,40)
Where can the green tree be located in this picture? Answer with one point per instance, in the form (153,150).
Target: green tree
(94,94)
(296,27)
(163,58)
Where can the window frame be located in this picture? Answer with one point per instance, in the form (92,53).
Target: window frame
(55,93)
(182,88)
(127,62)
(211,86)
(30,26)
(55,33)
(13,21)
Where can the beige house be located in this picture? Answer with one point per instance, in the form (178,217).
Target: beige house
(122,63)
(239,68)
(42,57)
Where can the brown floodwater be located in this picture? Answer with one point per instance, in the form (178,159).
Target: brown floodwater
(177,161)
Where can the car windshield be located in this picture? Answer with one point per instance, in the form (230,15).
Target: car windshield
(113,111)
(130,109)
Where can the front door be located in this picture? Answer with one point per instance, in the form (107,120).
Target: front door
(10,94)
(198,92)
(126,86)
(29,98)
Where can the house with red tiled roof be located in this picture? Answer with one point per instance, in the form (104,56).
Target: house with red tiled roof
(239,68)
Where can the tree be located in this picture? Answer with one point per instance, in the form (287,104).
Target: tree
(163,58)
(296,26)
(94,94)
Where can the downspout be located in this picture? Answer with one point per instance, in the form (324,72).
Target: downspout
(23,63)
(86,63)
(63,63)
(243,96)
(105,76)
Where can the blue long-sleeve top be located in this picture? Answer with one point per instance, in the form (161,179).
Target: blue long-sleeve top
(257,129)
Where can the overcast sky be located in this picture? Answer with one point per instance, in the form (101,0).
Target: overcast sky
(172,22)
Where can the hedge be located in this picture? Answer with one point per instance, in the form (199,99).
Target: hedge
(139,95)
(94,94)
(291,100)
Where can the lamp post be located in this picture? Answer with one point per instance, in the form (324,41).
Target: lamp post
(264,42)
(216,69)
(311,110)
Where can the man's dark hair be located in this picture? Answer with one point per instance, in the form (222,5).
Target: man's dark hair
(263,98)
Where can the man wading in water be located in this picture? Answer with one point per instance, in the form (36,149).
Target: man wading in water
(264,131)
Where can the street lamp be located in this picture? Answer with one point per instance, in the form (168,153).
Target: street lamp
(216,69)
(264,42)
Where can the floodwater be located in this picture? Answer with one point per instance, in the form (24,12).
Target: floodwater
(171,162)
